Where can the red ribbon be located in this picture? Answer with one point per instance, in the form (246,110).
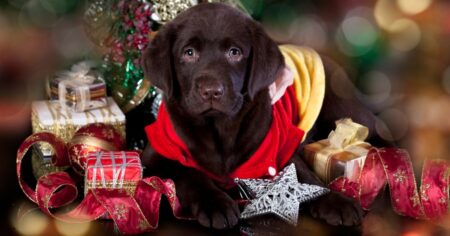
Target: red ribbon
(132,214)
(140,213)
(393,166)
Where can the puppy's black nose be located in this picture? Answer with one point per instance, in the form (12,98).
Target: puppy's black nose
(213,91)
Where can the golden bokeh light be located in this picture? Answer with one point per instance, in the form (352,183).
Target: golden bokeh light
(32,223)
(413,6)
(385,13)
(72,229)
(406,34)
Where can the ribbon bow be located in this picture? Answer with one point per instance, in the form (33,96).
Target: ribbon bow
(79,72)
(78,77)
(132,213)
(347,137)
(347,134)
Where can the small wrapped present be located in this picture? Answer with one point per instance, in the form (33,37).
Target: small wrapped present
(341,154)
(79,89)
(49,116)
(97,137)
(41,160)
(116,170)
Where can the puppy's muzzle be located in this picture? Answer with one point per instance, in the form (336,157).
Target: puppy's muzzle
(210,90)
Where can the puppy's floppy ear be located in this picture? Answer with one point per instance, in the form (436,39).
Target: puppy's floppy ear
(266,60)
(157,60)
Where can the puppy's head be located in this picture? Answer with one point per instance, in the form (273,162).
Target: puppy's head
(211,59)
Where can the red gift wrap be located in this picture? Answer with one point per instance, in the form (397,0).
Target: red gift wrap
(116,170)
(92,138)
(108,175)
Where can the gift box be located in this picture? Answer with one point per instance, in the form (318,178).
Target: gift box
(114,170)
(49,116)
(79,89)
(341,154)
(41,160)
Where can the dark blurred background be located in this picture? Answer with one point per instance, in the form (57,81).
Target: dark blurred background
(397,53)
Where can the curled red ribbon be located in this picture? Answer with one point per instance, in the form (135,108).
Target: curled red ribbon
(132,214)
(393,166)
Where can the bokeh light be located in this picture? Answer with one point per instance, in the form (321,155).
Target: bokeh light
(357,34)
(346,47)
(396,121)
(385,13)
(406,35)
(341,88)
(72,229)
(32,223)
(419,117)
(430,111)
(413,6)
(376,86)
(309,31)
(359,31)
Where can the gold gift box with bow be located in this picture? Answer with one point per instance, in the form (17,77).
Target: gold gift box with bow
(341,154)
(50,116)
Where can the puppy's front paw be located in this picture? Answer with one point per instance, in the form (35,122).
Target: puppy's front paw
(337,209)
(216,210)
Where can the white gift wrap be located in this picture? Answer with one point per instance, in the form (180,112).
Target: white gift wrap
(79,89)
(51,117)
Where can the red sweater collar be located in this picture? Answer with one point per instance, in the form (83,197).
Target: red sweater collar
(272,155)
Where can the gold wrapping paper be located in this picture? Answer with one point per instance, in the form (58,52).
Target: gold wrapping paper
(49,116)
(41,160)
(128,186)
(341,154)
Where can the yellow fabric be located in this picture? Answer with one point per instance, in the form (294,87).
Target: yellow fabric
(309,82)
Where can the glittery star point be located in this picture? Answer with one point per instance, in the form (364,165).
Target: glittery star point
(281,196)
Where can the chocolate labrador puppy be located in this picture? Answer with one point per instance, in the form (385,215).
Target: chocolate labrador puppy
(214,65)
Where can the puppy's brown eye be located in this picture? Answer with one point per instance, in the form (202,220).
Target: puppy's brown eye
(189,52)
(190,55)
(234,54)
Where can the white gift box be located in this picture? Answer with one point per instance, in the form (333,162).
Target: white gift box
(49,116)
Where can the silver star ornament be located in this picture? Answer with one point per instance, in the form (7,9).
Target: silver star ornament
(281,195)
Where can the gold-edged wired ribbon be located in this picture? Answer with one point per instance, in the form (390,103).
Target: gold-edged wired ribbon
(59,189)
(347,137)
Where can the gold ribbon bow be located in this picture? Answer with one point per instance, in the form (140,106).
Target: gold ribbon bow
(347,134)
(347,140)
